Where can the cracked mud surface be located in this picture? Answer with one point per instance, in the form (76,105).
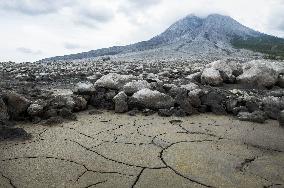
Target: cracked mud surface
(117,150)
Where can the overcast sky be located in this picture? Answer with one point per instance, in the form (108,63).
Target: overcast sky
(35,29)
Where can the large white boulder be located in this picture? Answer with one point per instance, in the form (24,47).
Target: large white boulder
(134,86)
(114,81)
(153,99)
(259,73)
(224,68)
(211,76)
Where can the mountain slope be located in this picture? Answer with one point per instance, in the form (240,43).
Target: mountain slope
(203,38)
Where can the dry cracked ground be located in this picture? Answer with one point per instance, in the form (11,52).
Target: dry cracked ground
(117,150)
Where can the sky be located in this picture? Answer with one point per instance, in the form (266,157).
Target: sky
(34,29)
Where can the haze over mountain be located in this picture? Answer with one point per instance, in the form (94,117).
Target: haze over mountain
(193,37)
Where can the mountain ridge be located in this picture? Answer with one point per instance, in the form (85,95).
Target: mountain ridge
(190,36)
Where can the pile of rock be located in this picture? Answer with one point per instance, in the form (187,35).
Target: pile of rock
(16,107)
(124,93)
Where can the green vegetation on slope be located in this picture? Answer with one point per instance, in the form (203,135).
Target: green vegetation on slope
(270,45)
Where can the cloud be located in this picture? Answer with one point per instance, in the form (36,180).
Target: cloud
(33,7)
(28,51)
(71,46)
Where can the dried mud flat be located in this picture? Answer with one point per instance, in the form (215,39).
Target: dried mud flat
(118,150)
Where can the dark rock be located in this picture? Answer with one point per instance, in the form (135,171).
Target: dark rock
(54,120)
(281,119)
(215,101)
(3,111)
(95,112)
(272,107)
(9,133)
(165,112)
(50,113)
(253,104)
(148,112)
(256,116)
(133,112)
(231,104)
(67,114)
(17,105)
(203,108)
(180,113)
(80,104)
(238,109)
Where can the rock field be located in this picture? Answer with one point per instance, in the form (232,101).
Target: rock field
(112,123)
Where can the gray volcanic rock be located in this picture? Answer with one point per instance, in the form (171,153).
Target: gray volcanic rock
(211,76)
(120,102)
(17,104)
(257,73)
(153,99)
(35,109)
(3,111)
(135,86)
(114,81)
(256,116)
(281,119)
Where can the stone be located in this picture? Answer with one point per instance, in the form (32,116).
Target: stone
(165,112)
(147,98)
(211,76)
(256,116)
(281,119)
(272,106)
(80,104)
(224,69)
(134,86)
(120,102)
(261,75)
(114,81)
(35,109)
(67,114)
(215,101)
(54,120)
(281,80)
(84,88)
(3,111)
(194,77)
(17,105)
(10,133)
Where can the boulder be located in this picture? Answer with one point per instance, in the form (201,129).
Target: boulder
(84,88)
(261,75)
(17,105)
(281,81)
(35,109)
(165,112)
(147,98)
(114,81)
(215,100)
(224,69)
(10,133)
(190,86)
(281,119)
(80,103)
(120,102)
(211,76)
(256,116)
(194,77)
(3,111)
(272,106)
(134,86)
